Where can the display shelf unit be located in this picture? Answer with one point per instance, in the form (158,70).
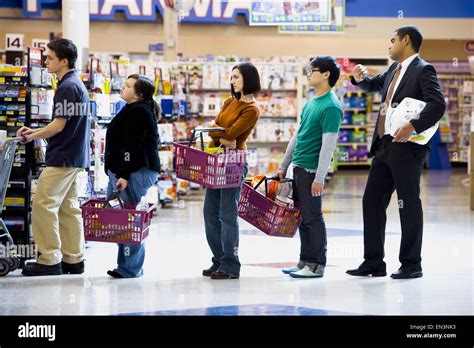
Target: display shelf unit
(457,112)
(13,115)
(190,98)
(16,111)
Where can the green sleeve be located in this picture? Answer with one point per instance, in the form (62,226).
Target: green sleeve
(331,120)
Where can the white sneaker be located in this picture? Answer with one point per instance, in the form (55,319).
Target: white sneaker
(296,268)
(307,273)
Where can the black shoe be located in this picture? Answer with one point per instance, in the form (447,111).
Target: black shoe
(365,272)
(114,274)
(207,272)
(73,268)
(406,274)
(222,275)
(37,269)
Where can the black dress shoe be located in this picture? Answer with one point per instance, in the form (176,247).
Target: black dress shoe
(222,275)
(36,269)
(73,268)
(406,274)
(207,272)
(114,274)
(365,272)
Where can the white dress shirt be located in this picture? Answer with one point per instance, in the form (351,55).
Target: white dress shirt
(390,110)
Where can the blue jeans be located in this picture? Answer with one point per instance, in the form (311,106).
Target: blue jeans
(222,227)
(312,228)
(130,257)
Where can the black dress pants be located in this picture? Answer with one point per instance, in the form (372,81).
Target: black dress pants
(395,166)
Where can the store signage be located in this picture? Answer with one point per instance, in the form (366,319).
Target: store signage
(14,42)
(156,47)
(40,43)
(313,12)
(469,47)
(204,11)
(452,67)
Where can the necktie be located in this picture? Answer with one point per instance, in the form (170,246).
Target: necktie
(388,98)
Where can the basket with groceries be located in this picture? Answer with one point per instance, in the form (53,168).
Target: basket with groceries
(211,167)
(269,207)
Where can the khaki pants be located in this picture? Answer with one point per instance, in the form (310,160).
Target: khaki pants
(56,217)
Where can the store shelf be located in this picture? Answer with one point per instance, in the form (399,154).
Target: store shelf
(16,184)
(354,109)
(14,124)
(353,163)
(12,99)
(222,90)
(267,143)
(13,113)
(358,92)
(13,208)
(353,126)
(261,117)
(13,79)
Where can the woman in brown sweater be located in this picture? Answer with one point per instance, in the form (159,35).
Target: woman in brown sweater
(238,116)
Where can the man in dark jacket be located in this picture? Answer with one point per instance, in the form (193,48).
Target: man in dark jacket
(398,163)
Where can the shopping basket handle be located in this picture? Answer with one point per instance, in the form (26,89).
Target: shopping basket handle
(277,178)
(204,129)
(116,195)
(17,140)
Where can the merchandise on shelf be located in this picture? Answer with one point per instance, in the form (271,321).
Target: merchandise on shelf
(166,190)
(456,89)
(166,161)
(19,87)
(166,133)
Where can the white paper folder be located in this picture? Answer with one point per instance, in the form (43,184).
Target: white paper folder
(410,109)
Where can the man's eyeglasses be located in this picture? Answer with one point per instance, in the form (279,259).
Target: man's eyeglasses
(310,70)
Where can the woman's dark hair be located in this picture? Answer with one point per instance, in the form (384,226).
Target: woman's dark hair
(251,79)
(145,88)
(64,49)
(327,63)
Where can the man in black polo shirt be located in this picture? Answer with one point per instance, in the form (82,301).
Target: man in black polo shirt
(56,216)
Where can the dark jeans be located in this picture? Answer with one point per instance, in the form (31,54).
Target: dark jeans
(222,228)
(130,257)
(395,166)
(312,229)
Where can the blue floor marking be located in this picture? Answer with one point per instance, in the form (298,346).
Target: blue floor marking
(255,309)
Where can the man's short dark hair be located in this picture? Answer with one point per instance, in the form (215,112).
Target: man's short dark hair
(251,79)
(327,63)
(413,33)
(64,49)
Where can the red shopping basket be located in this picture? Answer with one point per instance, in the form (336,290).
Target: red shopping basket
(209,170)
(123,226)
(268,216)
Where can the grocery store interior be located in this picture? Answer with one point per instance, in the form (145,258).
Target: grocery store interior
(188,48)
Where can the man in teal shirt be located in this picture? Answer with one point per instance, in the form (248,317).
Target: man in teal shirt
(311,150)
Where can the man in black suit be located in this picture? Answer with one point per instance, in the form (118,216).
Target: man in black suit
(397,163)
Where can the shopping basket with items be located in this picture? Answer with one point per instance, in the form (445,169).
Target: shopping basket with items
(115,221)
(209,169)
(270,212)
(9,261)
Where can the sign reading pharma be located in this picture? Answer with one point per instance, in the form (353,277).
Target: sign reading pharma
(204,11)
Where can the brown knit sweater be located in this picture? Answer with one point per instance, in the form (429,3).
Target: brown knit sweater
(239,119)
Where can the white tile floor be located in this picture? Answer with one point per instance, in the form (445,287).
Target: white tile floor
(177,251)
